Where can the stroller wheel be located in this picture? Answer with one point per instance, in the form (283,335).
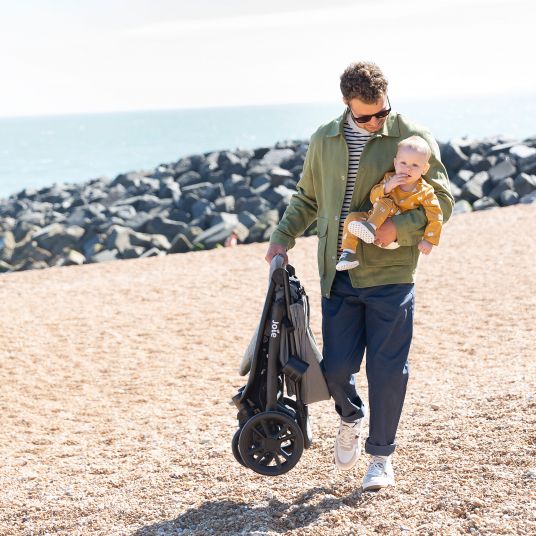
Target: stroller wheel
(271,443)
(236,452)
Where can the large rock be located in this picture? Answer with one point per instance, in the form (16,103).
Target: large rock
(180,244)
(525,157)
(503,186)
(477,162)
(485,203)
(462,206)
(529,198)
(225,204)
(247,219)
(231,163)
(165,227)
(56,237)
(462,177)
(5,267)
(276,157)
(128,180)
(524,184)
(278,176)
(478,186)
(201,208)
(7,245)
(169,188)
(205,190)
(142,203)
(508,198)
(233,182)
(502,170)
(105,255)
(215,235)
(71,258)
(188,178)
(455,190)
(453,157)
(125,212)
(121,239)
(255,205)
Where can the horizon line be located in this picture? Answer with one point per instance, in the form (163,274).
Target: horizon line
(197,107)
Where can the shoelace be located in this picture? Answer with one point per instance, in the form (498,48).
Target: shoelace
(347,434)
(377,466)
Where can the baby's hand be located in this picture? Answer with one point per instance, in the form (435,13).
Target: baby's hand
(394,181)
(425,247)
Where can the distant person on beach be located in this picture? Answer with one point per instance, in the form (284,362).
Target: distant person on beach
(400,190)
(369,308)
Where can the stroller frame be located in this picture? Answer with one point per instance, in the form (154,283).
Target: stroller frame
(273,428)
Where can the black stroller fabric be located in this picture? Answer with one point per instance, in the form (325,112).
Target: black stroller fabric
(284,376)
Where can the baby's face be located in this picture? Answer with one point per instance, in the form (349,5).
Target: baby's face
(411,163)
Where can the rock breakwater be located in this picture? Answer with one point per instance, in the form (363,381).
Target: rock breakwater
(201,201)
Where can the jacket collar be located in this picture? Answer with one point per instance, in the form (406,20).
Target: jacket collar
(390,127)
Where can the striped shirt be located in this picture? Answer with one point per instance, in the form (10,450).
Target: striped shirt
(356,138)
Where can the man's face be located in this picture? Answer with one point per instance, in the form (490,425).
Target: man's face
(360,108)
(411,163)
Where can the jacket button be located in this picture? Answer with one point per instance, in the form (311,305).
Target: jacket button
(336,218)
(343,177)
(333,258)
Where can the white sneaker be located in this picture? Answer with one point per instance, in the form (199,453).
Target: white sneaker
(348,444)
(379,474)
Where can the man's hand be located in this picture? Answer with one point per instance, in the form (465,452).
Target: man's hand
(396,180)
(276,249)
(386,233)
(425,247)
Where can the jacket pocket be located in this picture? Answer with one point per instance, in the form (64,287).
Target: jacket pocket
(375,256)
(322,233)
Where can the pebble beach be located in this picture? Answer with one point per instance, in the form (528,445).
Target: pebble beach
(117,380)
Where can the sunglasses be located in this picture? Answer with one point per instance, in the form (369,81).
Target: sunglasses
(366,118)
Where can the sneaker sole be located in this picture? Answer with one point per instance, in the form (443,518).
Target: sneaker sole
(351,464)
(358,229)
(341,266)
(377,487)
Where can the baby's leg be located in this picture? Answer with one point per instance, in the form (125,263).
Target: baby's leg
(382,209)
(349,240)
(348,258)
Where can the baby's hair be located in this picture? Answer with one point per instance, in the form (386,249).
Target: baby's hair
(416,143)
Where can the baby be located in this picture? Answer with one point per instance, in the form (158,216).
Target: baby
(399,191)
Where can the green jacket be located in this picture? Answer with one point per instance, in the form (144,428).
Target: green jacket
(321,192)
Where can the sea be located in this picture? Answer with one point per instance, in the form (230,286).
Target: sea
(43,150)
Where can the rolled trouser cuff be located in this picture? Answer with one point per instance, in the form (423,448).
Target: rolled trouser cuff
(359,414)
(379,450)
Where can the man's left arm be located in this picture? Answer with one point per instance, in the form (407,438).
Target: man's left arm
(411,224)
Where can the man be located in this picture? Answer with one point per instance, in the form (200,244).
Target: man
(369,307)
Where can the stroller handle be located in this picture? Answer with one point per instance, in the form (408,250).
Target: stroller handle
(278,261)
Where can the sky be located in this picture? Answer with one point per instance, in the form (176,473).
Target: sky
(71,56)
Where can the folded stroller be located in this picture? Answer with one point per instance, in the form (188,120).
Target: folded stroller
(282,356)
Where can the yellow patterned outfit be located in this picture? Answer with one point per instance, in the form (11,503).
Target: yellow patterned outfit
(395,202)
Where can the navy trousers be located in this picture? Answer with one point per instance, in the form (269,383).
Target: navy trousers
(379,320)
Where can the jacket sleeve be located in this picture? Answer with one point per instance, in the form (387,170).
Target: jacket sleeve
(302,208)
(434,217)
(411,224)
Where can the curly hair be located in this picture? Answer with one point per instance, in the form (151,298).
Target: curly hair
(365,81)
